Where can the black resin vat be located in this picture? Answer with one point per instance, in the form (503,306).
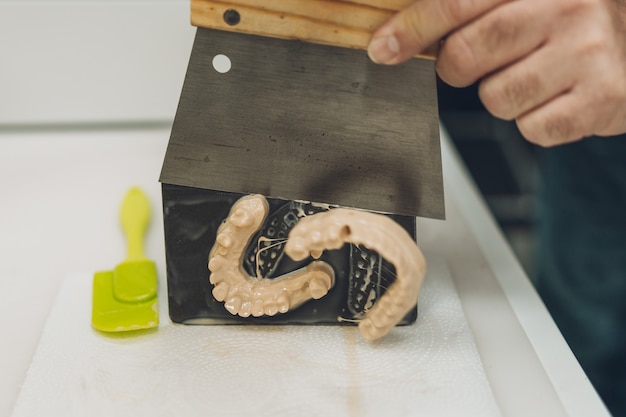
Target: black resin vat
(192,216)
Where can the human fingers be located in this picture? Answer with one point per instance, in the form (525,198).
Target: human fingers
(420,25)
(499,37)
(574,115)
(561,120)
(528,83)
(589,108)
(574,85)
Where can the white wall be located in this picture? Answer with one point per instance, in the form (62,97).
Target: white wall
(89,61)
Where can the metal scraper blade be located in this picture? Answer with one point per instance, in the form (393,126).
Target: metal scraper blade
(302,121)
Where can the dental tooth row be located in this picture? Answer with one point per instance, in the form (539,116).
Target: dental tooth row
(331,229)
(246,296)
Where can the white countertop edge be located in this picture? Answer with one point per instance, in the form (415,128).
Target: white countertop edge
(576,393)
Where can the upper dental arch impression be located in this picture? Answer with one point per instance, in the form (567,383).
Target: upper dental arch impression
(245,295)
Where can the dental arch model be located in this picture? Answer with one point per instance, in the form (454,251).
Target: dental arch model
(245,295)
(257,296)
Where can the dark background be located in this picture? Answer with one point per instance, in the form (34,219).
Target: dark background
(501,162)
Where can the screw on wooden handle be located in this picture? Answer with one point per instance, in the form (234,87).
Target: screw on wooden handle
(345,23)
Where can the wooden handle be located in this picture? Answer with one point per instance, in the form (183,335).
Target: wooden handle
(345,23)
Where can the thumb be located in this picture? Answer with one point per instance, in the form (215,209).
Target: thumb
(420,25)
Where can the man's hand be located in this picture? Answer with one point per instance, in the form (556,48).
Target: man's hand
(558,67)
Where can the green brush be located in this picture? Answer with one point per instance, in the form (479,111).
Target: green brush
(126,298)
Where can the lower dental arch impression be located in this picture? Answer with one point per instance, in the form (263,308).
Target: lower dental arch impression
(246,295)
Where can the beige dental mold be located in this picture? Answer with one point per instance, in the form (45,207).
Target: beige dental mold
(245,295)
(257,296)
(331,229)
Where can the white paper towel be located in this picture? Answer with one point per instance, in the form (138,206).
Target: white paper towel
(431,368)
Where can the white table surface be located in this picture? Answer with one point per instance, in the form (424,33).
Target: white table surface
(80,124)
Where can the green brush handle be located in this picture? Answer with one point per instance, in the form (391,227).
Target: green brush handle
(135,216)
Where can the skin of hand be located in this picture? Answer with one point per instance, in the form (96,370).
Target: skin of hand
(556,67)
